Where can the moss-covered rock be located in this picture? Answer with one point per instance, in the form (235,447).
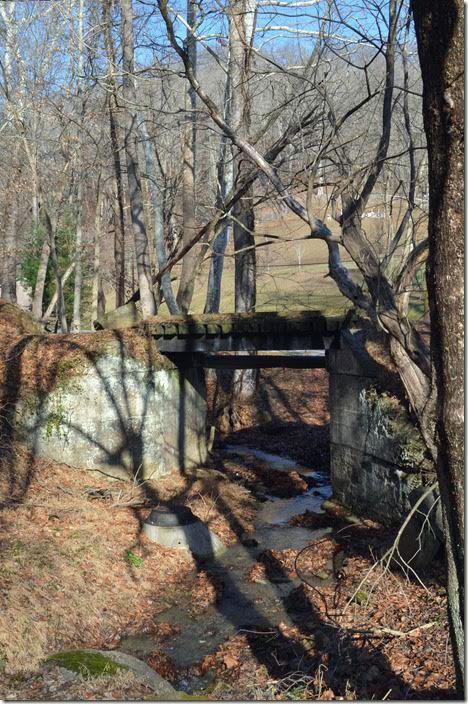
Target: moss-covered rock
(85,663)
(92,663)
(14,320)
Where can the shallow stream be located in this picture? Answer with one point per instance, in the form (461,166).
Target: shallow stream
(243,604)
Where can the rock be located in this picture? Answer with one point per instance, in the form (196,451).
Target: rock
(122,317)
(99,661)
(14,320)
(248,541)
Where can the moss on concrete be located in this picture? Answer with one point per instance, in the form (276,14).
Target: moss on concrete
(391,418)
(43,363)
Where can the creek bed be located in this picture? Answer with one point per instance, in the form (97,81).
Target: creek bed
(243,604)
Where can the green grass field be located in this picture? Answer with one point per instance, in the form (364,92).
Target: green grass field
(291,271)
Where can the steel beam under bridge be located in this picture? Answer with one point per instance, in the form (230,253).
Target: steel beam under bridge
(244,360)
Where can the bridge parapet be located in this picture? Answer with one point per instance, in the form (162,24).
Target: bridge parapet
(209,324)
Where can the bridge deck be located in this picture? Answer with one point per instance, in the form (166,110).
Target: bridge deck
(266,331)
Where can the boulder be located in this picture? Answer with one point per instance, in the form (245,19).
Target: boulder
(123,317)
(96,662)
(15,321)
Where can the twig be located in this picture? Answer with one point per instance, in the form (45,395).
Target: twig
(390,552)
(402,634)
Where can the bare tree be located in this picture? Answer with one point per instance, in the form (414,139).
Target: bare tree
(189,147)
(81,106)
(148,302)
(114,128)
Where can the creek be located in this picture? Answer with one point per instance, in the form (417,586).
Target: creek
(242,604)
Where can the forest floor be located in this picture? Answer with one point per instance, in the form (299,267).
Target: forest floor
(76,572)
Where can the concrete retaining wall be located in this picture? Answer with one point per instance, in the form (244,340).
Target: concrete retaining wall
(118,414)
(376,452)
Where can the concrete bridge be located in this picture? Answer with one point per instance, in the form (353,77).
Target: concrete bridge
(296,339)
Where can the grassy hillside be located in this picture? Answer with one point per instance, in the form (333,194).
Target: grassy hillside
(291,270)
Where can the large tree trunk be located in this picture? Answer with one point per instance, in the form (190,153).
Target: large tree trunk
(76,321)
(78,282)
(98,303)
(439,31)
(148,303)
(53,300)
(187,277)
(58,279)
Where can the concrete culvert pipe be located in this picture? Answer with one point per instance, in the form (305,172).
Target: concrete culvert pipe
(176,527)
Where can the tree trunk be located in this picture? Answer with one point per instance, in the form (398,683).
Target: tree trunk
(9,255)
(158,216)
(187,277)
(225,182)
(53,300)
(148,303)
(58,279)
(119,237)
(241,20)
(76,321)
(96,307)
(439,31)
(40,280)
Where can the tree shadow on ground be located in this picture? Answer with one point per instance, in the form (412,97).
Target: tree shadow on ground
(280,655)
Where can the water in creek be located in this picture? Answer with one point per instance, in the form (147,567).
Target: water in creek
(243,603)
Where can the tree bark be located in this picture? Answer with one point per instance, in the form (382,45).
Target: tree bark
(241,24)
(156,200)
(40,280)
(58,279)
(119,237)
(97,307)
(439,32)
(53,300)
(187,277)
(148,303)
(9,255)
(78,282)
(225,183)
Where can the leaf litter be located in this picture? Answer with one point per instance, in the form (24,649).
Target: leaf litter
(66,581)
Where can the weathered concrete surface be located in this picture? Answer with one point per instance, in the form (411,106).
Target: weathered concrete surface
(377,454)
(117,413)
(195,537)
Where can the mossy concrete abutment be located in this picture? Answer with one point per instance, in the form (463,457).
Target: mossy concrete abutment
(109,401)
(377,455)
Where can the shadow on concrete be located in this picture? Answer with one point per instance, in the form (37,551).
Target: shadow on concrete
(279,653)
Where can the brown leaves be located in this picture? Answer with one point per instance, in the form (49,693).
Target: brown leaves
(207,591)
(230,661)
(162,664)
